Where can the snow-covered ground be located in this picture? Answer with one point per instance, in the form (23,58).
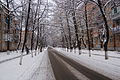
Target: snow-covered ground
(113,54)
(11,70)
(110,67)
(44,71)
(39,67)
(4,55)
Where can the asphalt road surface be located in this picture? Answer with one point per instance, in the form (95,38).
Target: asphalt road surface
(61,71)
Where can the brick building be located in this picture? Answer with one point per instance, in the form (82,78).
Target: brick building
(96,24)
(13,32)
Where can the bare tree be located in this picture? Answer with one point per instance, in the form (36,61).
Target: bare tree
(34,22)
(26,27)
(69,31)
(99,4)
(86,22)
(8,28)
(21,24)
(76,28)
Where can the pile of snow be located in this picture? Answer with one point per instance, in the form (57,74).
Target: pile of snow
(110,67)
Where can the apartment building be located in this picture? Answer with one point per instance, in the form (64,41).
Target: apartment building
(13,35)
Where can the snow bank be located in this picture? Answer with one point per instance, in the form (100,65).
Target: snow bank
(110,67)
(11,70)
(4,55)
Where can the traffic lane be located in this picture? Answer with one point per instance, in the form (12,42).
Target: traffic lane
(61,72)
(93,75)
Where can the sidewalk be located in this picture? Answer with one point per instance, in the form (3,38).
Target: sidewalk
(11,70)
(44,71)
(111,54)
(4,55)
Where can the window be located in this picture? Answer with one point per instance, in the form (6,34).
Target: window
(118,22)
(115,10)
(118,9)
(119,37)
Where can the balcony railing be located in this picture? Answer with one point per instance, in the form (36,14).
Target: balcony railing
(116,29)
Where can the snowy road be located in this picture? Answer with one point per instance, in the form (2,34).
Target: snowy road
(57,64)
(65,68)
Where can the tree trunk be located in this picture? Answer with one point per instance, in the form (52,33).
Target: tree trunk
(114,41)
(8,29)
(83,42)
(76,32)
(92,44)
(65,36)
(69,32)
(25,37)
(37,39)
(101,42)
(41,43)
(26,27)
(34,21)
(20,31)
(106,27)
(76,27)
(86,21)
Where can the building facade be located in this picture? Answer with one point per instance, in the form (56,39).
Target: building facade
(115,16)
(96,24)
(13,35)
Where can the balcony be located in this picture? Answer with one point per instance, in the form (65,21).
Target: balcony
(116,13)
(116,29)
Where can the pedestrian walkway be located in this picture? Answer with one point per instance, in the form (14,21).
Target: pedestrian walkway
(44,71)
